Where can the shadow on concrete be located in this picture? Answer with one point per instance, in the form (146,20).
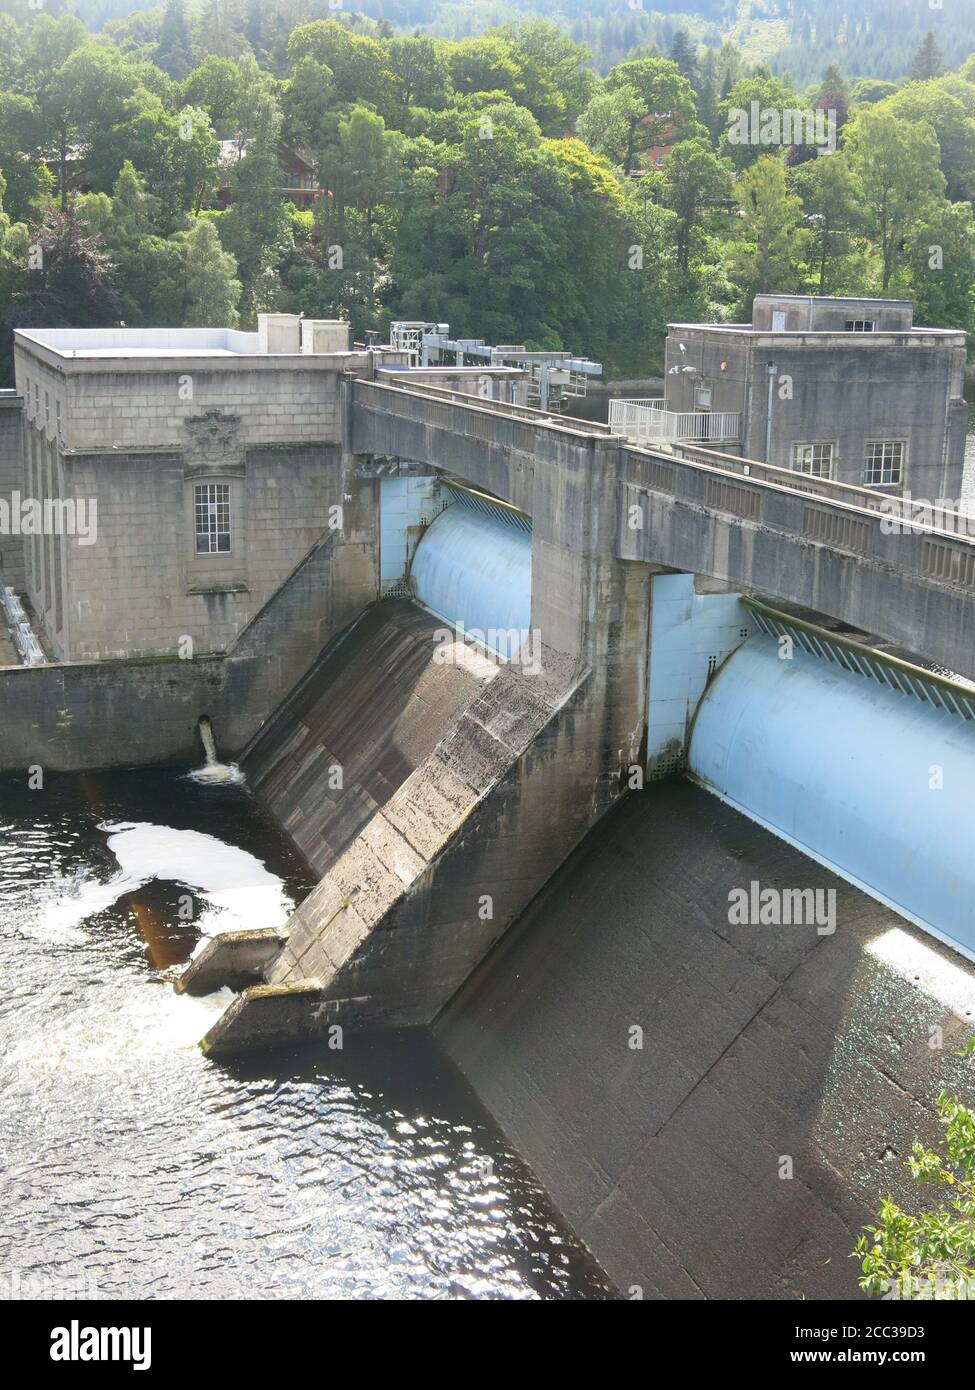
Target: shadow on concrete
(760,1045)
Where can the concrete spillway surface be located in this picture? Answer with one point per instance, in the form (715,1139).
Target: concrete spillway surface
(871,781)
(758,1044)
(373,707)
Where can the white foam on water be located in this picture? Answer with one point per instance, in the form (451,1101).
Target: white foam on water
(144,1023)
(223,774)
(239,892)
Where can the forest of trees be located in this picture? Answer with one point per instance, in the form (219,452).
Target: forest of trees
(872,38)
(496,182)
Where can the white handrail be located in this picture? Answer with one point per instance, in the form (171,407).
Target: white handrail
(647,422)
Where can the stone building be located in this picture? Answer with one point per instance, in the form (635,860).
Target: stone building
(191,470)
(847,389)
(185,474)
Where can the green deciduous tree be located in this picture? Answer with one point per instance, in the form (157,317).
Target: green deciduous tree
(759,93)
(695,182)
(934,103)
(773,250)
(357,62)
(255,227)
(896,165)
(831,200)
(215,86)
(941,263)
(420,72)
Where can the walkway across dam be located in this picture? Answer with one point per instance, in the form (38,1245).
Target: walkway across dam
(850,552)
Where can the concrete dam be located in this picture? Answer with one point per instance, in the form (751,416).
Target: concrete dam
(818,746)
(632,775)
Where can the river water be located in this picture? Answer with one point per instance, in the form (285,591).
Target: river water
(134,1167)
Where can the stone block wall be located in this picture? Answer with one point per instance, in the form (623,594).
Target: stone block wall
(11,481)
(74,716)
(142,590)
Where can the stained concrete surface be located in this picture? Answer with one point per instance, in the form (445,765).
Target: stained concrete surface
(369,712)
(760,1044)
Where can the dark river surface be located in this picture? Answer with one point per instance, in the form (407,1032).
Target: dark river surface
(133,1167)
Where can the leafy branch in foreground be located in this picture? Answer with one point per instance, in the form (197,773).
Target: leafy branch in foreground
(930,1254)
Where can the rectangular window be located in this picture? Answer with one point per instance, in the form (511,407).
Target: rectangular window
(814,459)
(859,325)
(883,462)
(702,398)
(212,507)
(778,320)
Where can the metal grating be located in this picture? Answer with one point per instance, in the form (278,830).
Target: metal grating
(490,506)
(944,694)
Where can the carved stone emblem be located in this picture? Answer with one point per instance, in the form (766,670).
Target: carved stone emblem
(212,442)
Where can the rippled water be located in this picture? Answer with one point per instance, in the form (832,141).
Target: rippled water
(134,1167)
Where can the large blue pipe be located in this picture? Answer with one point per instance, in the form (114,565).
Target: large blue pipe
(475,569)
(870,782)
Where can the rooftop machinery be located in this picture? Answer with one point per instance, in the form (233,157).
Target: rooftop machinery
(551,377)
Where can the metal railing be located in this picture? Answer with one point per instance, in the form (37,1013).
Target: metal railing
(649,422)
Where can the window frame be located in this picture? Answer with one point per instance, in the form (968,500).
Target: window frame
(214,532)
(899,444)
(798,445)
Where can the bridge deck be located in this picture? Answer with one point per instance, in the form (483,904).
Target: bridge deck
(854,554)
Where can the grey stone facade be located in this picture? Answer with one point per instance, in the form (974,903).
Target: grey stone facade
(11,480)
(843,390)
(140,436)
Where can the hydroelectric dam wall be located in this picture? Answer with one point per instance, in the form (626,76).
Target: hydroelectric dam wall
(488,762)
(654,1061)
(715,1107)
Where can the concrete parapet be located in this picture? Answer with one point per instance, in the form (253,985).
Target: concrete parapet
(232,960)
(267,1016)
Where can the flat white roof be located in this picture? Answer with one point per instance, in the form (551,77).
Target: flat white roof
(144,342)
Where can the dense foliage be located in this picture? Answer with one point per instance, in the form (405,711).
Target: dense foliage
(493,181)
(929,1254)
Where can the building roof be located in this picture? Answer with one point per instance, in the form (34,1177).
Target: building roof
(143,342)
(862,339)
(836,299)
